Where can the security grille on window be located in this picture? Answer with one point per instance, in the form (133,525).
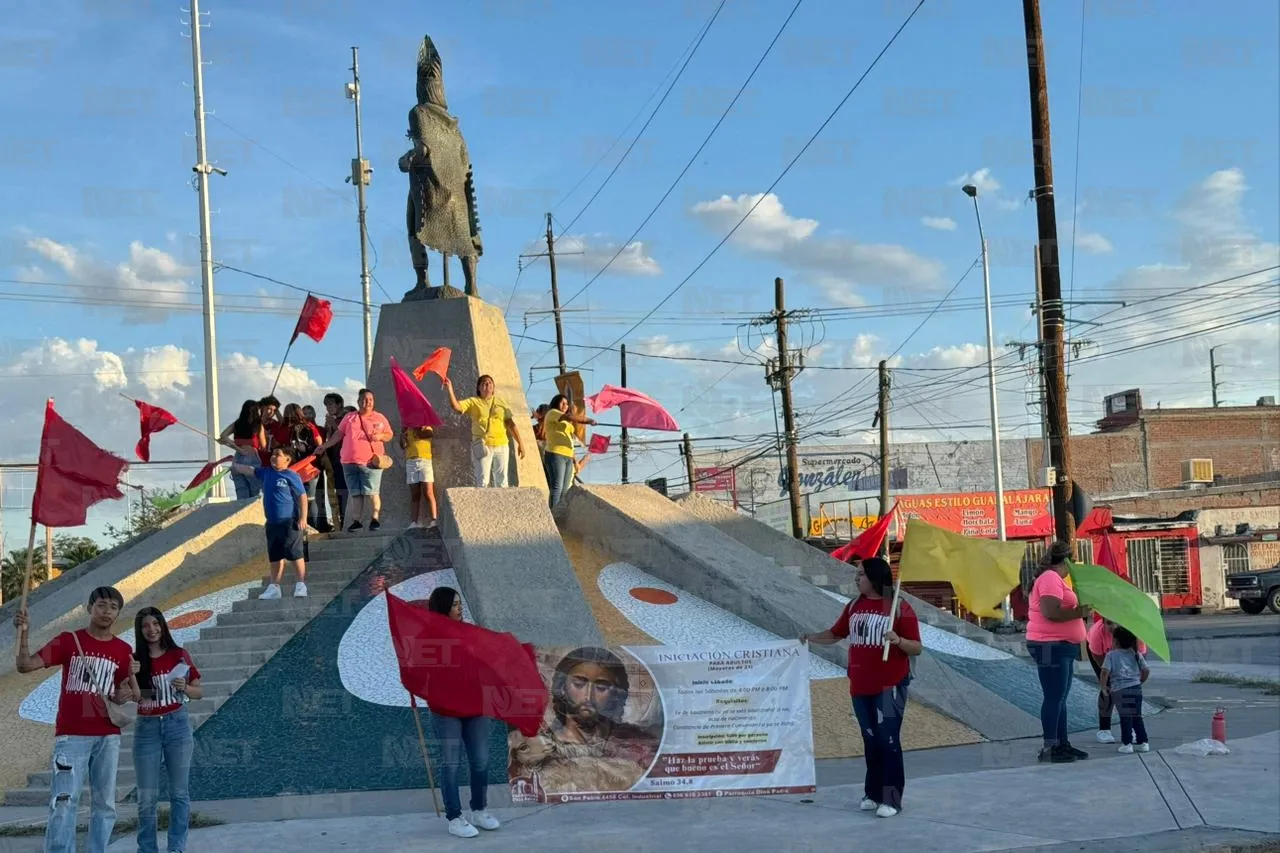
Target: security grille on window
(1084,549)
(1161,566)
(1235,558)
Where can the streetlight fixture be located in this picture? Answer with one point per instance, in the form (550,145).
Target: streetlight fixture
(972,192)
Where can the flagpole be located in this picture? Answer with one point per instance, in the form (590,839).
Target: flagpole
(283,361)
(893,616)
(31,556)
(426,756)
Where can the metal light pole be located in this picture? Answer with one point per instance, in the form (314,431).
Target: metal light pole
(972,191)
(202,170)
(360,174)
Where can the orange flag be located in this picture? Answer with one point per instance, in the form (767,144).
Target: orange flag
(437,363)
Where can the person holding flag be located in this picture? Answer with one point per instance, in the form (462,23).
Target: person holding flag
(558,459)
(878,683)
(493,427)
(1055,631)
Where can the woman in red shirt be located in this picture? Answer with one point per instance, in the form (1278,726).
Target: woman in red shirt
(168,678)
(1055,630)
(878,687)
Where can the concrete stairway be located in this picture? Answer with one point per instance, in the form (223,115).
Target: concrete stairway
(229,653)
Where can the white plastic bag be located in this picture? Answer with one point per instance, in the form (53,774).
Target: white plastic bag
(1203,748)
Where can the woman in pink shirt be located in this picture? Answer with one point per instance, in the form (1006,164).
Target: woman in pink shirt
(362,434)
(1055,630)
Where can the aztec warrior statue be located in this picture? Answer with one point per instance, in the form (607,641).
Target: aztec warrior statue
(441,212)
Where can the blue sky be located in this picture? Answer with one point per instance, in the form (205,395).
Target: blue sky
(1174,179)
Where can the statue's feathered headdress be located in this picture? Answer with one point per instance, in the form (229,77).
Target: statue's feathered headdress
(430,75)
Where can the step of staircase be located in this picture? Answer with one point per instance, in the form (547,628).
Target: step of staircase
(242,641)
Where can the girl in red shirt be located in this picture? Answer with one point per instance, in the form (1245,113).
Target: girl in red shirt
(168,678)
(878,687)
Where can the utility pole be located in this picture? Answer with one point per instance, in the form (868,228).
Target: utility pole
(1051,281)
(1040,351)
(623,350)
(882,418)
(360,175)
(202,170)
(1213,375)
(782,378)
(555,295)
(688,460)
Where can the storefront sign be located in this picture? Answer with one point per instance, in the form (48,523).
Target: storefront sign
(1028,513)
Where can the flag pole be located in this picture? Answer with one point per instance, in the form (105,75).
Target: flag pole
(893,615)
(31,557)
(426,756)
(283,361)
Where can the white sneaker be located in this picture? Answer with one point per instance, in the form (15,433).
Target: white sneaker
(432,523)
(484,820)
(271,593)
(1125,749)
(413,525)
(1105,736)
(886,811)
(1143,747)
(868,804)
(300,590)
(459,827)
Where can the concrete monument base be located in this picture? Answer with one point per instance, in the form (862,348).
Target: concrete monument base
(477,334)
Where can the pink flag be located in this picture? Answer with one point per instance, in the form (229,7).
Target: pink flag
(599,443)
(639,411)
(415,411)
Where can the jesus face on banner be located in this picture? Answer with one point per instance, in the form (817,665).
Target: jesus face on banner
(588,694)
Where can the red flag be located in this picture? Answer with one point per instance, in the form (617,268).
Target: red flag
(314,320)
(207,471)
(74,474)
(437,363)
(599,443)
(415,410)
(868,542)
(464,670)
(153,419)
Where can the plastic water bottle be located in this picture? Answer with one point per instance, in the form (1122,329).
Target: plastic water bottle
(1219,725)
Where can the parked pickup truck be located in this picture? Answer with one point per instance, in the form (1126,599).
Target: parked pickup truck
(1256,590)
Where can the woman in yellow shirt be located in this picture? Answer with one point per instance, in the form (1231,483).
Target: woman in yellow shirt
(492,425)
(416,443)
(557,459)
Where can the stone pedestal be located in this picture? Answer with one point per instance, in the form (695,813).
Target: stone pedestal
(477,334)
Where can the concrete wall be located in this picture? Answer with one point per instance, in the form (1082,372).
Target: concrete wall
(203,543)
(512,566)
(477,334)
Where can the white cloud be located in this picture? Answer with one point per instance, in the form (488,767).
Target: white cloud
(839,264)
(146,288)
(1092,243)
(661,345)
(988,187)
(938,223)
(591,253)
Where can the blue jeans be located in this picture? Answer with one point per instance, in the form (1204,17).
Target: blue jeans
(247,486)
(361,480)
(880,720)
(168,739)
(455,734)
(1056,666)
(313,507)
(1129,703)
(559,470)
(76,757)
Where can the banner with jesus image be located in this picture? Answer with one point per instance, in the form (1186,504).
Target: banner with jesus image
(662,722)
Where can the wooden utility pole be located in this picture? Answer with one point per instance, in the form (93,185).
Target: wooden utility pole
(1213,376)
(788,413)
(622,349)
(882,418)
(1051,282)
(555,297)
(688,460)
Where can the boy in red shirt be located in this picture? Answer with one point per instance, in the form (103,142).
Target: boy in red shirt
(878,687)
(97,668)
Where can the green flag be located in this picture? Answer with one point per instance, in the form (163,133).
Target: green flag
(1121,602)
(191,495)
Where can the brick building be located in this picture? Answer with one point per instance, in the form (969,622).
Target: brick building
(1137,450)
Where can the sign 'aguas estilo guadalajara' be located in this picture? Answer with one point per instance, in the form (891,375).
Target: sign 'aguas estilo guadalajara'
(1028,513)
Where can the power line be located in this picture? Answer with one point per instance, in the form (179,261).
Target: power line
(779,178)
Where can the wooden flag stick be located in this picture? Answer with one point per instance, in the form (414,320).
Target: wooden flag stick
(893,616)
(426,756)
(31,558)
(284,361)
(179,423)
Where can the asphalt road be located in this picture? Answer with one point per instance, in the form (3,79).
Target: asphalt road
(1225,638)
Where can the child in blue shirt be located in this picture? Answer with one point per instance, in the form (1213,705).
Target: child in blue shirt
(1123,673)
(284,502)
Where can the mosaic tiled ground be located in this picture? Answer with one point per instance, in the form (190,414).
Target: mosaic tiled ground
(294,727)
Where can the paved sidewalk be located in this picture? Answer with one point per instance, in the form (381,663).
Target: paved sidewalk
(1139,802)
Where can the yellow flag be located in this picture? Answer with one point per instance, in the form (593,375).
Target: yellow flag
(982,571)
